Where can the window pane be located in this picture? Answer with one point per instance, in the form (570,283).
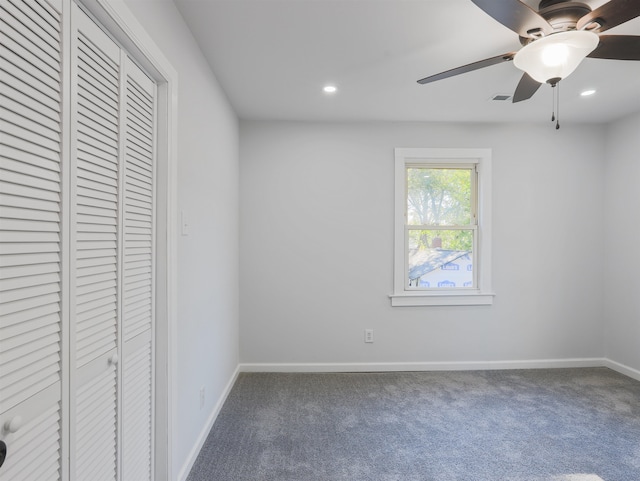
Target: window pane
(438,196)
(441,258)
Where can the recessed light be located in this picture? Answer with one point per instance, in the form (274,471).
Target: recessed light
(586,93)
(329,89)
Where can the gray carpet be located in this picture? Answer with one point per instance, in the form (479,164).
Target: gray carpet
(525,425)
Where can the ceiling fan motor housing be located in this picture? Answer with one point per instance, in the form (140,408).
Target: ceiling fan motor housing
(562,15)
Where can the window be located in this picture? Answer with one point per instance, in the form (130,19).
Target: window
(442,227)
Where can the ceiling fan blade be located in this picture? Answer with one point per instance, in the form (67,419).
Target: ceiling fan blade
(611,14)
(507,57)
(526,88)
(617,47)
(515,15)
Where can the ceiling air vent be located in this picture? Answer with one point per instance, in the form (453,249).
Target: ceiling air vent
(501,97)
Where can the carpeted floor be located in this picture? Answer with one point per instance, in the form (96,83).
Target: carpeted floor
(525,425)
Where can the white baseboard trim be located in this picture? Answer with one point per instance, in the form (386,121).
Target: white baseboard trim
(421,366)
(622,369)
(193,454)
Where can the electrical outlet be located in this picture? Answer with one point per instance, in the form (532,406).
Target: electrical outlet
(368,335)
(201,397)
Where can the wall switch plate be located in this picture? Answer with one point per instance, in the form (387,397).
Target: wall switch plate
(201,397)
(368,335)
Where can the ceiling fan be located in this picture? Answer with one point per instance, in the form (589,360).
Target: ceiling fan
(555,39)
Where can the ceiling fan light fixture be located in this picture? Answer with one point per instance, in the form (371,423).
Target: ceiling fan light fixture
(554,57)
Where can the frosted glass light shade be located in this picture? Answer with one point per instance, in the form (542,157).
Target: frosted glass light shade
(555,56)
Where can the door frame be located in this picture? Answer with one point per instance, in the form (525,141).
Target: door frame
(123,26)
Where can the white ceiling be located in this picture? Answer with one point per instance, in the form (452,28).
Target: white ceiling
(273,57)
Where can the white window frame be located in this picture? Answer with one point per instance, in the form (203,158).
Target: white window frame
(481,293)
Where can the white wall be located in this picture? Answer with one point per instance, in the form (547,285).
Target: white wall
(622,239)
(207,343)
(316,239)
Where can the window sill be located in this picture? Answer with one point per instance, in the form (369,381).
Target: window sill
(422,298)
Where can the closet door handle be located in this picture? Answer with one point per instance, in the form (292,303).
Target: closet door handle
(3,452)
(13,424)
(113,360)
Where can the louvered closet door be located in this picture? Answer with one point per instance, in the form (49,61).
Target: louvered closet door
(138,273)
(30,239)
(94,329)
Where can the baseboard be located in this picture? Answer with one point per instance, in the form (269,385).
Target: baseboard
(193,454)
(622,369)
(422,366)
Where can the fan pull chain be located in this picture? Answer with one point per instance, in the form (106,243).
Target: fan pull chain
(555,109)
(553,103)
(558,107)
